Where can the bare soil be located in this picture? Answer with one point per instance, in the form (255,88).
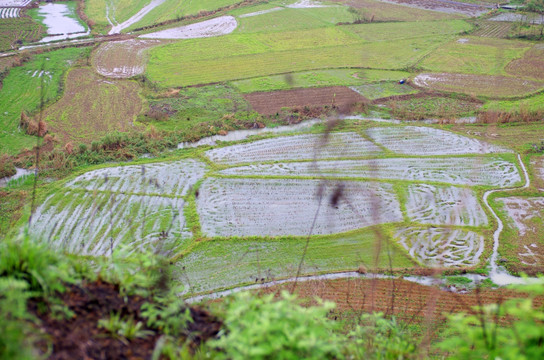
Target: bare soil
(341,98)
(446,6)
(80,337)
(406,300)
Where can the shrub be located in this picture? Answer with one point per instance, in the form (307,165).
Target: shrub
(264,328)
(484,334)
(6,166)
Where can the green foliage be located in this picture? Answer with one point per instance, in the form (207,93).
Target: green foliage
(124,330)
(45,271)
(168,314)
(377,337)
(482,335)
(15,329)
(262,328)
(142,274)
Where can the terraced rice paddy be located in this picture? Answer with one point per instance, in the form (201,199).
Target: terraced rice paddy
(412,140)
(6,13)
(213,265)
(522,210)
(493,29)
(122,59)
(97,224)
(472,171)
(251,207)
(298,147)
(19,30)
(140,207)
(525,218)
(492,86)
(442,247)
(171,179)
(429,204)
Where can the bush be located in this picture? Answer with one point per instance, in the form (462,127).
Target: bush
(263,328)
(485,335)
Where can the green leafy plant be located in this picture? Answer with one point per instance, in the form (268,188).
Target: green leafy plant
(168,314)
(264,328)
(15,330)
(512,330)
(124,330)
(44,271)
(378,337)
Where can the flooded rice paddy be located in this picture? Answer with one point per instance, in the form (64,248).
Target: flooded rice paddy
(290,186)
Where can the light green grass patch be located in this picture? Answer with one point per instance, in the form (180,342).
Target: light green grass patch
(295,19)
(402,30)
(21,92)
(383,89)
(317,78)
(218,264)
(175,9)
(533,103)
(193,105)
(175,65)
(484,56)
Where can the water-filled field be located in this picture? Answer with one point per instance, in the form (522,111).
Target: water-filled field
(291,188)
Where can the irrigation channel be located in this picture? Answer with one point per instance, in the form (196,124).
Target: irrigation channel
(498,274)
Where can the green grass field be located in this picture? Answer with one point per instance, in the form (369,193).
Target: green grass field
(223,263)
(242,56)
(533,103)
(485,56)
(384,89)
(17,31)
(294,19)
(317,78)
(194,105)
(21,92)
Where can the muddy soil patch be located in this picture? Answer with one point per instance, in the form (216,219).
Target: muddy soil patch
(486,85)
(92,107)
(270,103)
(80,337)
(122,59)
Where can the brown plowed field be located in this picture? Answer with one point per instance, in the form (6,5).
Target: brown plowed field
(270,103)
(407,300)
(531,65)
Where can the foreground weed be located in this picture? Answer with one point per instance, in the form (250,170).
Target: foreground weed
(262,328)
(124,330)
